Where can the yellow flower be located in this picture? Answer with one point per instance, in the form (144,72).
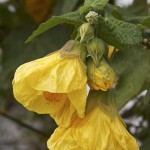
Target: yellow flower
(111,51)
(51,85)
(100,77)
(101,129)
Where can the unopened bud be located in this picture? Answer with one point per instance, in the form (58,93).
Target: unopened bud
(96,48)
(92,17)
(86,32)
(101,77)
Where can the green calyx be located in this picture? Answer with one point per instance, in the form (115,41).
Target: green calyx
(80,49)
(103,99)
(73,48)
(86,31)
(96,48)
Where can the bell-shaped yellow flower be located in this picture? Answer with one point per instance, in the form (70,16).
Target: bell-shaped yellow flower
(101,129)
(101,77)
(51,85)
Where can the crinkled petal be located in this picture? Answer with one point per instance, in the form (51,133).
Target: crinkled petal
(43,102)
(53,74)
(63,140)
(78,99)
(42,86)
(125,140)
(96,131)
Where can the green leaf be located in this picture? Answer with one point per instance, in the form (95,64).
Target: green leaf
(132,69)
(94,4)
(75,33)
(118,33)
(144,20)
(147,97)
(73,18)
(130,85)
(145,142)
(138,8)
(64,6)
(99,3)
(69,6)
(116,13)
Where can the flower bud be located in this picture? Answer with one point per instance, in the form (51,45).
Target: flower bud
(101,77)
(86,32)
(92,17)
(73,48)
(110,51)
(96,48)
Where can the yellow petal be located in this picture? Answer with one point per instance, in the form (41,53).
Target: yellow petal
(63,115)
(35,100)
(43,102)
(78,99)
(53,74)
(96,131)
(111,51)
(42,86)
(101,77)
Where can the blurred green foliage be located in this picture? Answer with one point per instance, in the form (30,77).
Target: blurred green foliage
(131,65)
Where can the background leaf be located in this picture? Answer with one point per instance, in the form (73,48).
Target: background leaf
(144,20)
(64,6)
(132,68)
(147,97)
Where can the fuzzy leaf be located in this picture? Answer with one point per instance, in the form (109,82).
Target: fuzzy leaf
(118,33)
(99,3)
(144,20)
(69,18)
(116,13)
(94,4)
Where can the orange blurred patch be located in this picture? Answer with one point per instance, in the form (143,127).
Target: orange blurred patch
(39,10)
